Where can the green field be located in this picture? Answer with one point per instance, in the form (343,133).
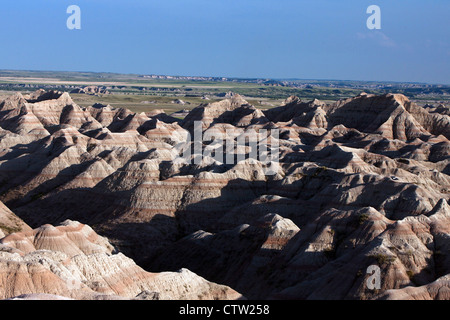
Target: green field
(141,94)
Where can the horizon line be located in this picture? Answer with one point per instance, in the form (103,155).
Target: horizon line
(227,77)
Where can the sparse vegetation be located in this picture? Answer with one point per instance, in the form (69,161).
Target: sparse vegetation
(383,259)
(91,147)
(141,94)
(410,274)
(36,196)
(363,218)
(9,229)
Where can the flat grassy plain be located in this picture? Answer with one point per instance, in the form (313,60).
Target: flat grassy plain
(143,94)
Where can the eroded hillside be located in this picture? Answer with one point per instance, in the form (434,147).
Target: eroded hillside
(360,182)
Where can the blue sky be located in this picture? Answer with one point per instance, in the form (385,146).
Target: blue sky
(306,39)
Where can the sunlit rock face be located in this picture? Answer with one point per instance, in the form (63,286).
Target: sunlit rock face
(357,183)
(71,261)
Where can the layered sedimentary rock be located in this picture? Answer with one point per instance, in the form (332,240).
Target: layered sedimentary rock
(235,111)
(9,222)
(91,90)
(359,182)
(72,261)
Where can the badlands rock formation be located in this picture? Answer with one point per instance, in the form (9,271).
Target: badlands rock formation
(9,222)
(360,182)
(72,261)
(91,90)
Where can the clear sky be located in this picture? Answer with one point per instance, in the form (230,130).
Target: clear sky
(305,39)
